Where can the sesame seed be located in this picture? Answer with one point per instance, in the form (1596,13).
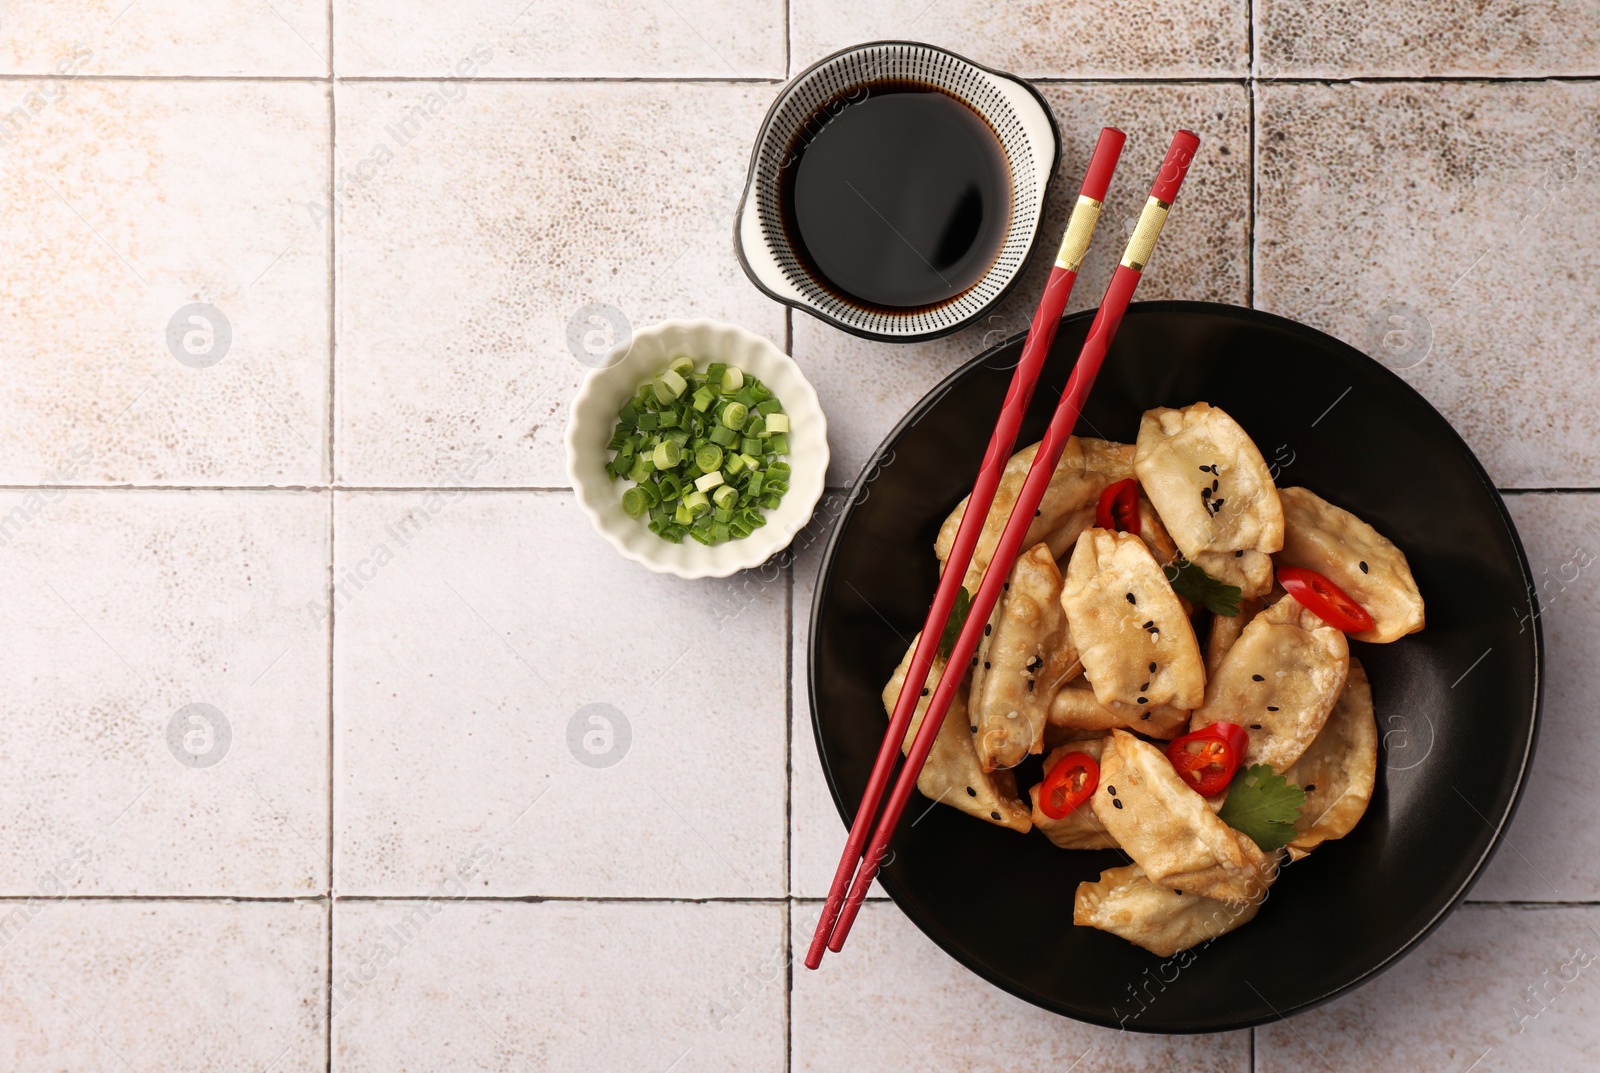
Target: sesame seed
(1311,786)
(1176,891)
(1205,469)
(971,792)
(1255,726)
(1117,802)
(973,729)
(1238,555)
(1364,566)
(1144,687)
(1152,665)
(988,628)
(995,816)
(1131,600)
(974,661)
(1144,700)
(1112,790)
(1216,504)
(1146,715)
(1205,493)
(1214,485)
(1030,685)
(1272,708)
(1037,513)
(985,664)
(1257,678)
(924,691)
(1149,623)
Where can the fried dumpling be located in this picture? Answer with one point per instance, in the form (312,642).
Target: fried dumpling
(1356,557)
(1086,467)
(1250,571)
(1170,830)
(1133,636)
(1225,631)
(1208,480)
(1279,681)
(1338,770)
(1026,657)
(952,774)
(1064,537)
(1163,920)
(1080,828)
(1075,707)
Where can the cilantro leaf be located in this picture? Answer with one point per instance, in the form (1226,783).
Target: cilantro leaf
(957,619)
(1263,805)
(1190,581)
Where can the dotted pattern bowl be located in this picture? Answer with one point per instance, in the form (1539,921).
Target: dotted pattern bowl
(594,418)
(1012,108)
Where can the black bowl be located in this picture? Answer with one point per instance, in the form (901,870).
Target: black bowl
(1457,704)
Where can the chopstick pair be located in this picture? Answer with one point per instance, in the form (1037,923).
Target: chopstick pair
(844,896)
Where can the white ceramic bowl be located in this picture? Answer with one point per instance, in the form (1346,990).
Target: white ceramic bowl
(594,418)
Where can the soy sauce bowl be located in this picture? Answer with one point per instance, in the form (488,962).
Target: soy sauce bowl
(766,235)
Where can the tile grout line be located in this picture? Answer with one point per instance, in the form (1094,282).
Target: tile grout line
(1251,185)
(542,489)
(788,812)
(332,220)
(611,899)
(710,80)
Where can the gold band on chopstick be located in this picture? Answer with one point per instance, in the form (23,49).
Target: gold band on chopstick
(1145,235)
(1080,229)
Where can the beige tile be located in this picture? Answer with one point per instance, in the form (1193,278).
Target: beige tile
(1040,40)
(505,681)
(1299,38)
(816,832)
(1495,989)
(124,609)
(1204,253)
(1552,851)
(181,987)
(567,38)
(446,986)
(165,37)
(467,255)
(127,202)
(891,1000)
(1396,216)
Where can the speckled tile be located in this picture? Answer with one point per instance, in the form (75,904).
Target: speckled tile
(867,387)
(506,684)
(169,294)
(164,37)
(473,257)
(1365,38)
(1439,227)
(181,987)
(1041,40)
(892,1000)
(1493,990)
(445,986)
(1552,850)
(816,834)
(564,38)
(167,699)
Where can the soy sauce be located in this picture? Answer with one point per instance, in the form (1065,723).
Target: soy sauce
(901,199)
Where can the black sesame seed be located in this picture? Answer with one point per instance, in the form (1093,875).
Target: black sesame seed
(1030,685)
(994,816)
(1364,566)
(1007,586)
(1152,665)
(1112,790)
(1144,700)
(1037,513)
(1149,623)
(924,691)
(1272,708)
(988,628)
(1238,555)
(1131,600)
(1216,504)
(1257,678)
(973,729)
(1146,715)
(1117,803)
(1205,469)
(974,661)
(1255,726)
(1311,786)
(985,664)
(1205,493)
(971,792)
(1176,891)
(1214,483)
(1144,687)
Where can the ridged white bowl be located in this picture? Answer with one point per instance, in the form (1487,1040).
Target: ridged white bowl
(594,418)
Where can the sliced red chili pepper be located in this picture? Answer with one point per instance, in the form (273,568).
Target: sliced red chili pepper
(1119,507)
(1070,783)
(1323,598)
(1207,759)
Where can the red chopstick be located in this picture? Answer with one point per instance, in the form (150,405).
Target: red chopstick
(1106,322)
(1041,333)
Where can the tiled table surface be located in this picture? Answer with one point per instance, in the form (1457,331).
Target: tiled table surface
(374,847)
